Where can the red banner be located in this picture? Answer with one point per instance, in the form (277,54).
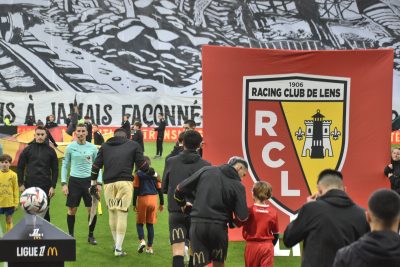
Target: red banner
(292,114)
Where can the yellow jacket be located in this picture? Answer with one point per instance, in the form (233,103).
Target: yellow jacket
(9,194)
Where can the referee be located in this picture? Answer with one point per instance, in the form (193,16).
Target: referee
(79,155)
(217,193)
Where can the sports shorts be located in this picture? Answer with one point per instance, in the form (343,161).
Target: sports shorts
(7,210)
(259,254)
(118,195)
(209,242)
(146,209)
(178,227)
(78,188)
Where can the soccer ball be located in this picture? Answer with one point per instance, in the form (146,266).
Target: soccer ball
(33,200)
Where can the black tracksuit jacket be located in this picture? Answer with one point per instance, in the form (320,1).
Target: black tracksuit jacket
(326,225)
(217,193)
(177,169)
(38,166)
(118,156)
(395,178)
(375,249)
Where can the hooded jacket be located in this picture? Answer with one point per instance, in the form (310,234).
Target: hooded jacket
(177,169)
(118,156)
(380,248)
(395,178)
(38,166)
(326,225)
(217,193)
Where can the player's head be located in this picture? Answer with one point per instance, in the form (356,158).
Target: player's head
(87,118)
(329,179)
(40,134)
(69,116)
(239,164)
(126,117)
(180,138)
(81,132)
(51,118)
(262,191)
(137,125)
(95,127)
(192,140)
(120,132)
(384,210)
(189,125)
(147,159)
(5,162)
(160,116)
(395,154)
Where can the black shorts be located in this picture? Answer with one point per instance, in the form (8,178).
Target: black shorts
(78,188)
(179,224)
(209,242)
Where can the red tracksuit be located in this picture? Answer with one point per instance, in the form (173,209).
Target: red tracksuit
(258,232)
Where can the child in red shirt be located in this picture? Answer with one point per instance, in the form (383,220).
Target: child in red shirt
(261,228)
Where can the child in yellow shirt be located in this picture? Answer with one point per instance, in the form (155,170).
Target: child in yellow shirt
(9,196)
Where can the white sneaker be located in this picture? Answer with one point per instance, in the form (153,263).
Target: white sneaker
(149,251)
(141,246)
(119,253)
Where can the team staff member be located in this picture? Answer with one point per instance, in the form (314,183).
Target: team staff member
(217,193)
(330,221)
(178,168)
(137,134)
(160,134)
(126,125)
(38,166)
(97,136)
(118,156)
(79,155)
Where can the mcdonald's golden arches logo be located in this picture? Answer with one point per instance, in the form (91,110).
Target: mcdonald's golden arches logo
(199,258)
(177,233)
(52,251)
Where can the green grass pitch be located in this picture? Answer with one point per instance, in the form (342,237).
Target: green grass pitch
(102,254)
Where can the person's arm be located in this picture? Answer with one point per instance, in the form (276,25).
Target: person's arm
(54,168)
(160,193)
(22,161)
(186,187)
(275,229)
(241,211)
(341,259)
(165,180)
(297,230)
(15,190)
(388,169)
(65,165)
(100,176)
(97,164)
(141,163)
(51,138)
(136,187)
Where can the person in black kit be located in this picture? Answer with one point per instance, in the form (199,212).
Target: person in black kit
(50,123)
(178,148)
(38,166)
(126,125)
(176,169)
(217,193)
(160,134)
(68,120)
(380,247)
(329,221)
(118,156)
(392,171)
(88,124)
(137,133)
(29,121)
(97,136)
(75,116)
(191,125)
(49,137)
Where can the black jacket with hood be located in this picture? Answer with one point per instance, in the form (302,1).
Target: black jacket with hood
(326,225)
(118,156)
(375,249)
(38,166)
(395,177)
(177,169)
(217,193)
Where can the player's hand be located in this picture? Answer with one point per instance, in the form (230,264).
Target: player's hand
(161,208)
(390,166)
(134,209)
(65,190)
(21,188)
(312,198)
(187,208)
(51,192)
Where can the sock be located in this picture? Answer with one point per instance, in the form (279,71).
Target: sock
(92,225)
(140,231)
(112,220)
(150,234)
(191,261)
(71,224)
(9,226)
(47,215)
(177,261)
(121,228)
(99,208)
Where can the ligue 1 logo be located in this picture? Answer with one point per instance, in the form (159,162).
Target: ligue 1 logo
(294,126)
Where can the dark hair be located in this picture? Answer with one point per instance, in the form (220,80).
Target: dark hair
(120,132)
(147,159)
(86,117)
(191,123)
(138,124)
(235,160)
(385,205)
(81,125)
(180,137)
(329,172)
(192,139)
(40,127)
(262,190)
(5,157)
(161,114)
(94,124)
